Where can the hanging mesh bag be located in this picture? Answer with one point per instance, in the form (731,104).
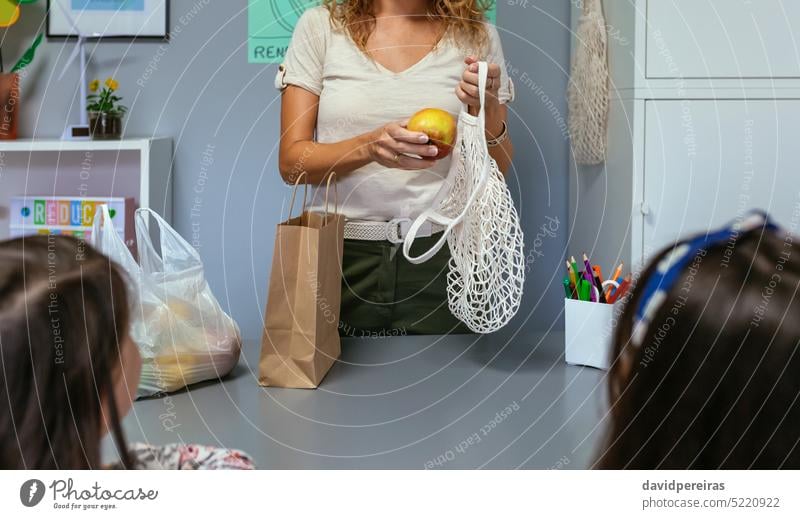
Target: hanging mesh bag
(587,93)
(474,205)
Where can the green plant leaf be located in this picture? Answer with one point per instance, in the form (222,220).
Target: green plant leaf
(28,56)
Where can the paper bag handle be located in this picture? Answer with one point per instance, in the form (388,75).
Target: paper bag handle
(335,195)
(294,192)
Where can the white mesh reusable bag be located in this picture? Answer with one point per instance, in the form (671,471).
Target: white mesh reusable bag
(587,93)
(487,265)
(182,333)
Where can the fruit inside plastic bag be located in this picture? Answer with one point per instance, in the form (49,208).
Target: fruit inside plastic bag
(183,334)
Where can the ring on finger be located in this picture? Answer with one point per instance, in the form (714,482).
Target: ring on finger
(396,157)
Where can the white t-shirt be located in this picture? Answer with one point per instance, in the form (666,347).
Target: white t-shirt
(357,95)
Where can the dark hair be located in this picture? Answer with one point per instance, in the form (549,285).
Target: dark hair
(63,316)
(716,380)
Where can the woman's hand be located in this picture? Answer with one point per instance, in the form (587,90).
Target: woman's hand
(389,145)
(496,113)
(467,92)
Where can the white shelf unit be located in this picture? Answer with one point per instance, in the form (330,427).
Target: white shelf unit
(704,118)
(133,167)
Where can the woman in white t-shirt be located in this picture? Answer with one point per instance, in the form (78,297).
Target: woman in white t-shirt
(353,73)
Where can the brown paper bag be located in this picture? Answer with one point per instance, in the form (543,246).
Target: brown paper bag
(301,325)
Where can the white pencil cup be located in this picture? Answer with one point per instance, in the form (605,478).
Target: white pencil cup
(589,330)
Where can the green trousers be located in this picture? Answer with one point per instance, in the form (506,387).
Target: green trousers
(385,295)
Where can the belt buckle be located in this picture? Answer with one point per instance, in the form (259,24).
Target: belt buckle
(396,229)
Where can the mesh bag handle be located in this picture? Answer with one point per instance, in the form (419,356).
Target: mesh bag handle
(430,214)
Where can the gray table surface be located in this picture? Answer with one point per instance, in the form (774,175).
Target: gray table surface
(400,403)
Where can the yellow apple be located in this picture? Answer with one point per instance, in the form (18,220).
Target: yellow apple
(438,125)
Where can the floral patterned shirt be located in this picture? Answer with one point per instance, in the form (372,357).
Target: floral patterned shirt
(176,456)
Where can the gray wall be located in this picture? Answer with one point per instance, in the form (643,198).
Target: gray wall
(223,114)
(536,41)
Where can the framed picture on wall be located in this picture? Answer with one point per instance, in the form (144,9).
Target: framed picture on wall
(115,19)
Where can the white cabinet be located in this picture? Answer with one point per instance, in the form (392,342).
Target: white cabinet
(723,38)
(703,126)
(734,156)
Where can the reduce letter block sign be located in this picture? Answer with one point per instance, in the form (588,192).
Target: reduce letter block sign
(72,216)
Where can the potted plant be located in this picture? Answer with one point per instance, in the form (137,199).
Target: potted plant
(9,81)
(105,110)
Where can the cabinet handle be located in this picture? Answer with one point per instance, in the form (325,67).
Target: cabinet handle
(645,209)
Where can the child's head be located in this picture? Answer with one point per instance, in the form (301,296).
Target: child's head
(707,369)
(68,367)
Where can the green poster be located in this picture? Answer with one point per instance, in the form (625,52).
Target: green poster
(270,24)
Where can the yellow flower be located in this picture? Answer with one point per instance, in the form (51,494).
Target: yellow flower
(112,84)
(94,85)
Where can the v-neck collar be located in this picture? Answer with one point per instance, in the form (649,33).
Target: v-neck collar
(408,69)
(428,55)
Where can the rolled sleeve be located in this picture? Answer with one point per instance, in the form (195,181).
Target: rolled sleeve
(305,57)
(505,93)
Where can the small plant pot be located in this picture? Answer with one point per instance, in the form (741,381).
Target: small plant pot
(104,126)
(9,105)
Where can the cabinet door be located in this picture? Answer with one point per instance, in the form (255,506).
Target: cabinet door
(707,162)
(723,38)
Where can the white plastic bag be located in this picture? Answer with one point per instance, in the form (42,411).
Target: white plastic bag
(587,93)
(487,265)
(182,333)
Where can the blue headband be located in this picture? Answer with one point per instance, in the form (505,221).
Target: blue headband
(671,267)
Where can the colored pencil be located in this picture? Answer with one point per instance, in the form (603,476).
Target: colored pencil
(618,272)
(598,280)
(600,291)
(573,282)
(574,267)
(587,274)
(623,288)
(585,290)
(619,281)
